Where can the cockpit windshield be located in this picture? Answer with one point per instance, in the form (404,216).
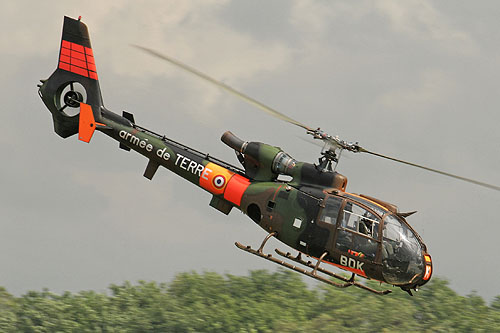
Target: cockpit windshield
(401,252)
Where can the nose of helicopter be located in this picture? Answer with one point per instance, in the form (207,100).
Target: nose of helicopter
(421,278)
(405,261)
(427,271)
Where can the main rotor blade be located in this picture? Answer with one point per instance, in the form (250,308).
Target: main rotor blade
(219,84)
(469,180)
(316,133)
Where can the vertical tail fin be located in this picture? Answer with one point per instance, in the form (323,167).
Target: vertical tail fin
(74,83)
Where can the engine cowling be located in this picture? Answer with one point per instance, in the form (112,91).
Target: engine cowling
(263,162)
(257,157)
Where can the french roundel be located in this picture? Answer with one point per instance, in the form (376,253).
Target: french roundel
(214,178)
(219,181)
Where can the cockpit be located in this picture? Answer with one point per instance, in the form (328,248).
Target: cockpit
(402,256)
(373,233)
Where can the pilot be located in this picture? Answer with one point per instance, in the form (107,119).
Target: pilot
(365,227)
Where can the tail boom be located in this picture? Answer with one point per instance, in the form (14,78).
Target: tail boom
(74,86)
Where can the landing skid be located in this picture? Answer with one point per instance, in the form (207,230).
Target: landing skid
(315,267)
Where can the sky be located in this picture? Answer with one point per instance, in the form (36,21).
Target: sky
(417,80)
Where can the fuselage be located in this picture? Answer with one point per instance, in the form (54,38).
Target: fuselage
(359,235)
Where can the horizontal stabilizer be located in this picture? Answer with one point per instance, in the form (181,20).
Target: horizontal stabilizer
(151,169)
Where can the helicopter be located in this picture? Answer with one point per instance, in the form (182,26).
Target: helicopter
(312,212)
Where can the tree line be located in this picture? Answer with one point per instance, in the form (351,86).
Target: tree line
(262,301)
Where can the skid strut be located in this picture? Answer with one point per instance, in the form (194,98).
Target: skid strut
(315,267)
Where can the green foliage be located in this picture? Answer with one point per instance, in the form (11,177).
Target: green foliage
(260,302)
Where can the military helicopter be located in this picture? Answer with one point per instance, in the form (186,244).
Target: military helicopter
(312,213)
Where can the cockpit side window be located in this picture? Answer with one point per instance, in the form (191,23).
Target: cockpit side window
(360,220)
(357,232)
(331,210)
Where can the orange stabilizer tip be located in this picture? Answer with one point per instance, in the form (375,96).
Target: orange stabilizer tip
(87,123)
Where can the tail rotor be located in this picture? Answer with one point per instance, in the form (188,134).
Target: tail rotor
(70,98)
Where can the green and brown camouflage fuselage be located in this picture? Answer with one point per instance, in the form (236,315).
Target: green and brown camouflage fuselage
(311,212)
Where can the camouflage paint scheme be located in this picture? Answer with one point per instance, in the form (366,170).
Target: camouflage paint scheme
(291,209)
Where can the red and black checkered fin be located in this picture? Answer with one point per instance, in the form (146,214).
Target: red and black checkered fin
(74,80)
(77,59)
(76,54)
